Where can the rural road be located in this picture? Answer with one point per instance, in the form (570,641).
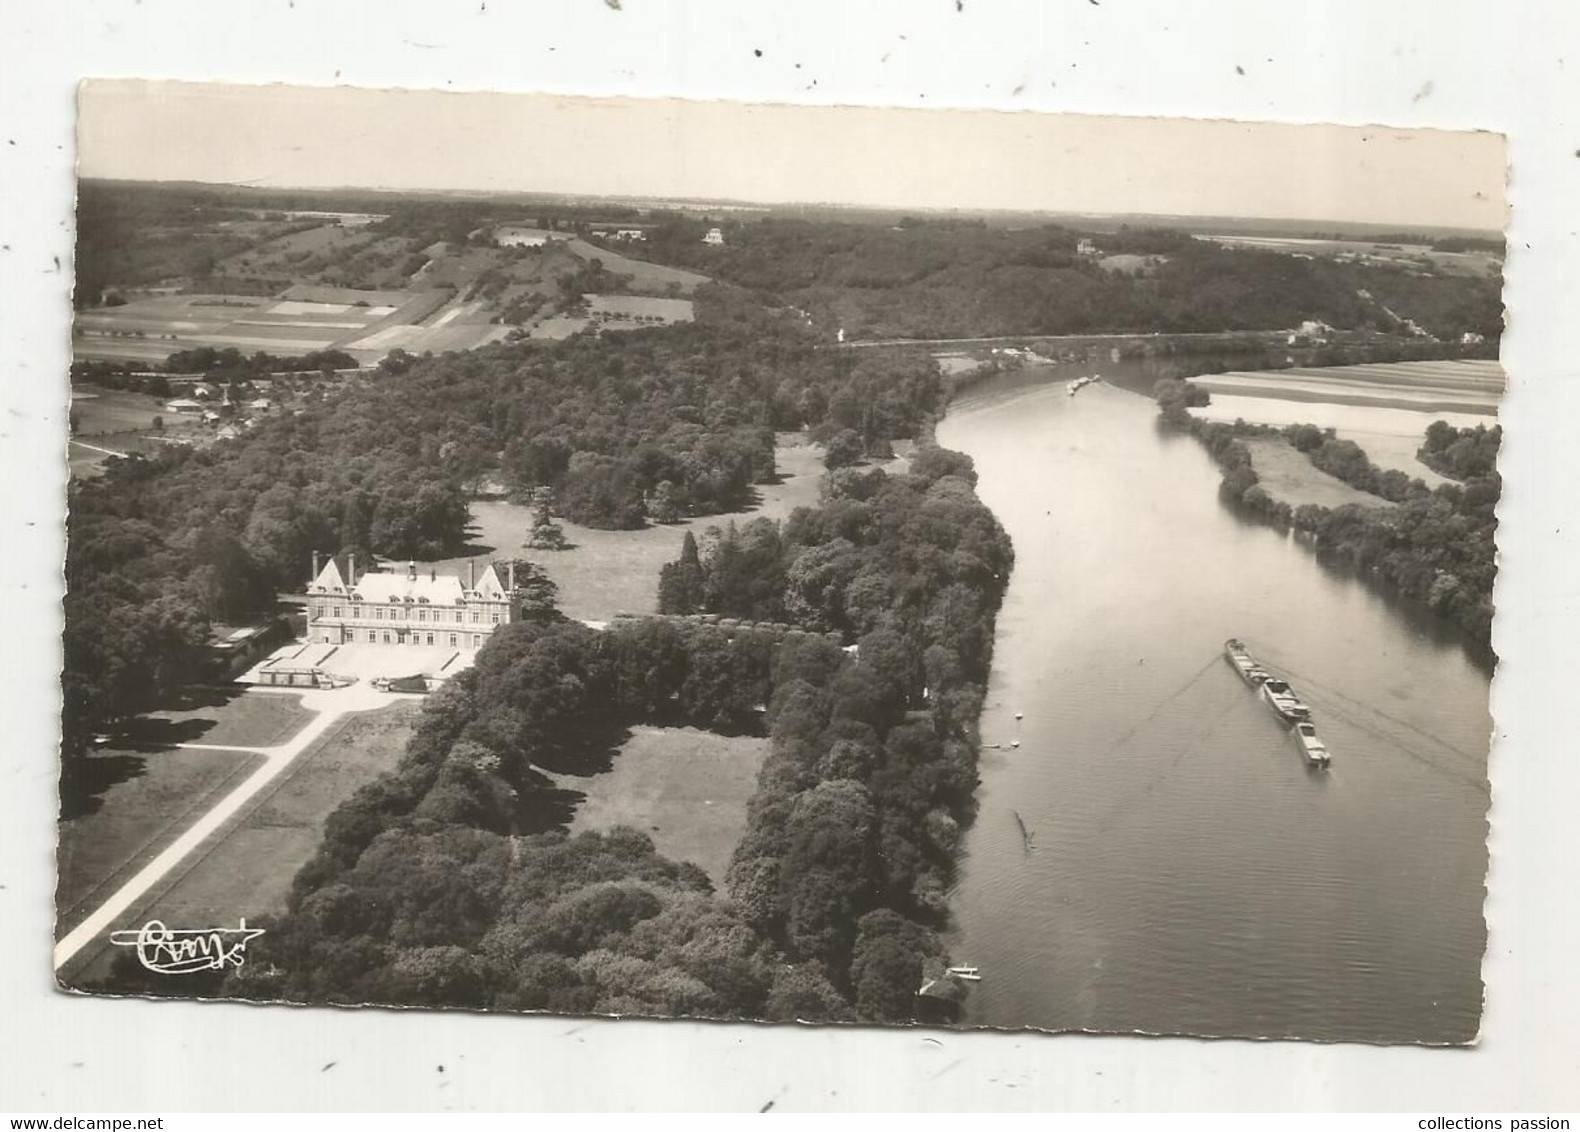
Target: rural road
(96,448)
(329,707)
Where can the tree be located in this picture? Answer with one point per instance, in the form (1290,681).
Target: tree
(886,965)
(843,450)
(682,584)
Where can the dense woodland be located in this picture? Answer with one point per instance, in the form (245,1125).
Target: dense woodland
(1436,546)
(444,882)
(616,430)
(950,279)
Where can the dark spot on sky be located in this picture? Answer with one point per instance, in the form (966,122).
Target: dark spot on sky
(1239,70)
(615,4)
(766,1107)
(328,1065)
(757,51)
(441,1069)
(960,5)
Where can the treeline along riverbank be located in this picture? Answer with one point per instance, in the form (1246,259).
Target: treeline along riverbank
(1436,547)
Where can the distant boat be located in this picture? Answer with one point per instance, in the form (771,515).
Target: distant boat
(969,974)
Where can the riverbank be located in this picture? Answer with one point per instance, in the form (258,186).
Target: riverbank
(1434,548)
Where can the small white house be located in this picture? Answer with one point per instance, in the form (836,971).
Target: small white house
(715,236)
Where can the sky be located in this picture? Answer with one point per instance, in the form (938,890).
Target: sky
(303,137)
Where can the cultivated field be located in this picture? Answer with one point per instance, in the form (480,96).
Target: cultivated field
(1384,408)
(151,329)
(1288,476)
(1426,387)
(609,572)
(1418,257)
(684,788)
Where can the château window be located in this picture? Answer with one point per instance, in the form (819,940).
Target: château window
(336,612)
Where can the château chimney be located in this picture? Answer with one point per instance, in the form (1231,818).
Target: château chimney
(433,575)
(511,571)
(314,578)
(411,569)
(351,569)
(471,572)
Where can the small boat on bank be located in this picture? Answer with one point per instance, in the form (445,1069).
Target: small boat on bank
(1081,383)
(1283,700)
(1312,748)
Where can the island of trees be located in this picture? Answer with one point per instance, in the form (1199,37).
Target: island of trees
(1436,547)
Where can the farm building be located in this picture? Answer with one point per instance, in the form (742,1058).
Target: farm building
(715,236)
(183,405)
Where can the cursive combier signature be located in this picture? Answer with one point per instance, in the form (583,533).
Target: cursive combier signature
(185,951)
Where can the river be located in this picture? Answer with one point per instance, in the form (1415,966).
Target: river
(1187,873)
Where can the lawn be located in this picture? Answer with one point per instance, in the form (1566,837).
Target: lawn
(227,719)
(684,788)
(247,868)
(99,410)
(1288,476)
(609,572)
(143,802)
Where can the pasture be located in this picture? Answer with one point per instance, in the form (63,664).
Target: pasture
(609,572)
(1289,477)
(686,789)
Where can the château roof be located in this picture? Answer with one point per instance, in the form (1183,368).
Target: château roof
(441,589)
(423,587)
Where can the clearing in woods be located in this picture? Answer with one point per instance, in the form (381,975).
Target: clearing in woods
(686,789)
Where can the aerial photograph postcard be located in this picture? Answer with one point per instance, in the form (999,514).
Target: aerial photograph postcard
(774,563)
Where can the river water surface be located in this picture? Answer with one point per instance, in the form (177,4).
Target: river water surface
(1187,873)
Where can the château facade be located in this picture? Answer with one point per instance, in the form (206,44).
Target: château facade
(408,608)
